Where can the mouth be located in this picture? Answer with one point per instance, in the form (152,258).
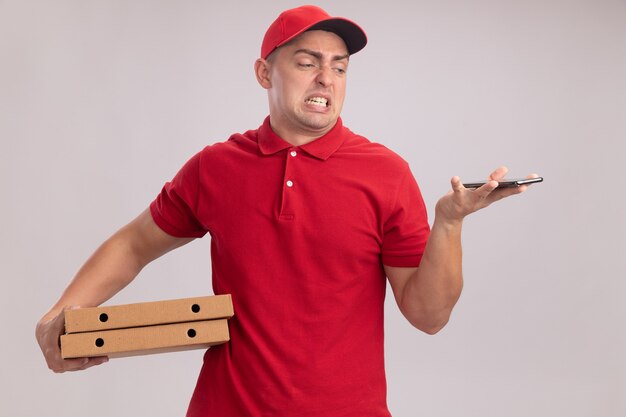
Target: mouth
(317,101)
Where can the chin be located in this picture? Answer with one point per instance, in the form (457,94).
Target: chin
(319,123)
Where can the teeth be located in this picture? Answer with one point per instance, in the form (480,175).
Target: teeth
(318,101)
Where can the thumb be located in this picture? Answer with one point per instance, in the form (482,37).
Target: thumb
(456,184)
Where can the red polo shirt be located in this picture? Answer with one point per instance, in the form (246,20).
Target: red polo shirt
(298,237)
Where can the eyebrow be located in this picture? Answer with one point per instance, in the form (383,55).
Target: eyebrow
(319,55)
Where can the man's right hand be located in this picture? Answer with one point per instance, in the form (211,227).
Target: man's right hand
(48,333)
(112,266)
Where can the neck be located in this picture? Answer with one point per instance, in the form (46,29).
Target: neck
(297,137)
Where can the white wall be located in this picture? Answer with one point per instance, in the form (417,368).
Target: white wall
(102,101)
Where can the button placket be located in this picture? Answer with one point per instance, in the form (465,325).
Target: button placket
(289,182)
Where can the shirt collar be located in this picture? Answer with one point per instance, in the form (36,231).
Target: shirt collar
(321,148)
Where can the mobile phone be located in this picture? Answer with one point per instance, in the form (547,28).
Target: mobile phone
(505,183)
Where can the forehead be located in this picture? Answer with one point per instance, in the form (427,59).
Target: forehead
(327,43)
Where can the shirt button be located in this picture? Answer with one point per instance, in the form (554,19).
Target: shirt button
(289,183)
(294,153)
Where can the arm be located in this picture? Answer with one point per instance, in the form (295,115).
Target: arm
(112,266)
(426,295)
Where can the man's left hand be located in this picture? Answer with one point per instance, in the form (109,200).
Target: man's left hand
(461,201)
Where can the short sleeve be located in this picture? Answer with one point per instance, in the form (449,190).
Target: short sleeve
(406,230)
(175,209)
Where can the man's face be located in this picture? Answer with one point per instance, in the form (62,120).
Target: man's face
(307,84)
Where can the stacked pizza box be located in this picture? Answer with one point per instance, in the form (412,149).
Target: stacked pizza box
(144,328)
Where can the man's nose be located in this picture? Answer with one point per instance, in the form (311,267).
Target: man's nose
(324,76)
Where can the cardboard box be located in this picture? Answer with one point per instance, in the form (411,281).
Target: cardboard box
(145,340)
(149,313)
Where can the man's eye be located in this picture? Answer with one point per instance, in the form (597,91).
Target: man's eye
(306,65)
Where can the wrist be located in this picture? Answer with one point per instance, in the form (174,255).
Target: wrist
(449,225)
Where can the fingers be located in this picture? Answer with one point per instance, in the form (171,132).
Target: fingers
(499,173)
(457,185)
(86,363)
(460,202)
(59,365)
(48,333)
(79,364)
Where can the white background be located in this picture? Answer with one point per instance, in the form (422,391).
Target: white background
(102,101)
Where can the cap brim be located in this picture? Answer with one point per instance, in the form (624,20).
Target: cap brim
(350,32)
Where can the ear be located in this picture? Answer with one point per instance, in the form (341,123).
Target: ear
(262,72)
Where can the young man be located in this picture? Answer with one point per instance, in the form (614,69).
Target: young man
(307,220)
